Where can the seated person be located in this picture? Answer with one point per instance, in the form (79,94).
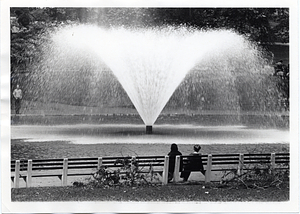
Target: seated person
(172,154)
(194,163)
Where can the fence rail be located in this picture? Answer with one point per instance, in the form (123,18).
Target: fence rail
(64,168)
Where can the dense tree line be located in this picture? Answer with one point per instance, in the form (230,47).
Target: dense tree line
(261,25)
(31,27)
(264,25)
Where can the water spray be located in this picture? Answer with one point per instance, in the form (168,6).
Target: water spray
(149,63)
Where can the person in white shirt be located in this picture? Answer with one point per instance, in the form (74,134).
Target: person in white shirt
(17,93)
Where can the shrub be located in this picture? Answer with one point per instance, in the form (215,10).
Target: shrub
(129,173)
(257,176)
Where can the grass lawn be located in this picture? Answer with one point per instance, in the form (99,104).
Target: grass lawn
(162,193)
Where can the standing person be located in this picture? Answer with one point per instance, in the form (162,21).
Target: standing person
(18,97)
(194,163)
(172,154)
(280,69)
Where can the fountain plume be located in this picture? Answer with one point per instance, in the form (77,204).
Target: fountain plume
(151,63)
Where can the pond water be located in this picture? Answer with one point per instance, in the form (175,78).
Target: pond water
(163,133)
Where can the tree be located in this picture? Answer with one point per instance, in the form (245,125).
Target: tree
(31,27)
(262,25)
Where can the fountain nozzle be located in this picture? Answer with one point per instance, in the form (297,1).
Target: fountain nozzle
(148,129)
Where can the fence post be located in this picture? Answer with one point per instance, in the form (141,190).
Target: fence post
(273,165)
(29,174)
(65,172)
(99,163)
(17,174)
(241,164)
(208,169)
(176,169)
(166,170)
(133,167)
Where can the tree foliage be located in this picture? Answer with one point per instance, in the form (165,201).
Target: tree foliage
(31,27)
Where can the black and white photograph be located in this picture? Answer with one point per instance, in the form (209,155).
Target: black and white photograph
(143,107)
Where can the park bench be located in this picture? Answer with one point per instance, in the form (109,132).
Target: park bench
(68,167)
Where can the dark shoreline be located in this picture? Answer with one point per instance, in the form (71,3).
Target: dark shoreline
(274,120)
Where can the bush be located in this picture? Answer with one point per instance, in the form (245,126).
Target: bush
(129,173)
(257,176)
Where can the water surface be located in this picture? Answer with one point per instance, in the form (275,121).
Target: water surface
(165,133)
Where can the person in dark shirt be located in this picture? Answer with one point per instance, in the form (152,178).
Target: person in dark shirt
(172,156)
(17,93)
(194,163)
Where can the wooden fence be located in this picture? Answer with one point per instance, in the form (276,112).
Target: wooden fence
(67,167)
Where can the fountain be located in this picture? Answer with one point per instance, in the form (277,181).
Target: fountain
(150,64)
